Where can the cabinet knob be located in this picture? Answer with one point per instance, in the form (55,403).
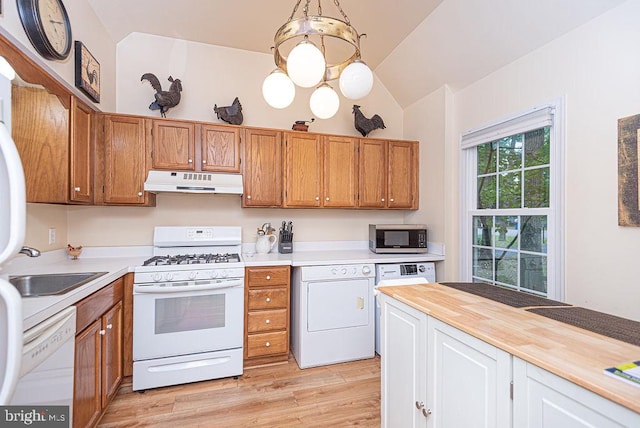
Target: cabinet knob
(327,198)
(204,162)
(103,332)
(267,321)
(109,326)
(268,299)
(77,189)
(139,193)
(248,196)
(426,412)
(382,199)
(419,405)
(317,198)
(267,344)
(268,277)
(391,200)
(190,160)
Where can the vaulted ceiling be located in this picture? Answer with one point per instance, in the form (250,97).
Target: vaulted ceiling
(414,46)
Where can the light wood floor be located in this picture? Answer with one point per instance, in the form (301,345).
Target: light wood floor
(338,395)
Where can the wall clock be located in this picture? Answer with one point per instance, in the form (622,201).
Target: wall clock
(47,25)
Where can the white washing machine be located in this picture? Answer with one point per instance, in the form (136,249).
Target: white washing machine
(332,314)
(400,274)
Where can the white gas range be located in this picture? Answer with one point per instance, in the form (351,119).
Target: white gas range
(188,307)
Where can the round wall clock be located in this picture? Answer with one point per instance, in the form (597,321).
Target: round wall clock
(47,25)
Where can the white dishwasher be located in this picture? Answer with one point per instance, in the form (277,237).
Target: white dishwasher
(46,371)
(332,314)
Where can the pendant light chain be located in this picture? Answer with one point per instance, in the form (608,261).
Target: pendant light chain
(295,9)
(344,15)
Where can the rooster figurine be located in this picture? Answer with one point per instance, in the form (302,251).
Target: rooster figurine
(364,125)
(164,99)
(231,114)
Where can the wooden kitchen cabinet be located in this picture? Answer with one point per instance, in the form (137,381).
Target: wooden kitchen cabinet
(303,170)
(262,168)
(340,172)
(98,356)
(54,138)
(388,174)
(267,295)
(191,146)
(121,163)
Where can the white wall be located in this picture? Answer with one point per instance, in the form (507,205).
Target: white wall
(597,68)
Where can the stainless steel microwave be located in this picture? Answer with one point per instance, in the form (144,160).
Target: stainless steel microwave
(398,238)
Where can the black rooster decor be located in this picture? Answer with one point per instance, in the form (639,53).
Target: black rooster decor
(231,114)
(364,125)
(164,99)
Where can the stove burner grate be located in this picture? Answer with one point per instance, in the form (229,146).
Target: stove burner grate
(192,259)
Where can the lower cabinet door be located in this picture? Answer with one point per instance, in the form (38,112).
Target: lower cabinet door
(111,352)
(469,380)
(87,402)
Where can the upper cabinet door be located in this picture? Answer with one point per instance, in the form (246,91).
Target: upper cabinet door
(220,148)
(303,170)
(81,183)
(124,163)
(373,174)
(262,168)
(403,175)
(173,145)
(340,172)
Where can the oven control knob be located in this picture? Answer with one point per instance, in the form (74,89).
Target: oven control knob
(344,271)
(366,270)
(354,270)
(157,277)
(213,274)
(224,274)
(192,275)
(421,268)
(334,271)
(169,276)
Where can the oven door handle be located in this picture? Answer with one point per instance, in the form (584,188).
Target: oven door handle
(155,289)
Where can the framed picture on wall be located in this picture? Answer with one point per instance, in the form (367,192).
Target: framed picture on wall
(87,72)
(628,172)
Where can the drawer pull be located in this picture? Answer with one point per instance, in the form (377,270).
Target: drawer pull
(77,189)
(267,321)
(268,277)
(268,299)
(267,344)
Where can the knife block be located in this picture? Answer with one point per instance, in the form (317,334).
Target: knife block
(285,243)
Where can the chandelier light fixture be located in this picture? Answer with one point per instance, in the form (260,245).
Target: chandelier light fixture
(307,65)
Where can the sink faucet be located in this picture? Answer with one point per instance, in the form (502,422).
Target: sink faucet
(29,251)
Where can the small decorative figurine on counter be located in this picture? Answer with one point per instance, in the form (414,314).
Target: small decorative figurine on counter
(164,99)
(301,125)
(74,252)
(231,114)
(364,125)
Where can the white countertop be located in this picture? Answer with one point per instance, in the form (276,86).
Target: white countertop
(117,261)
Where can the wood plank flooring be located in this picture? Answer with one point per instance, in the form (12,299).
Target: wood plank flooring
(346,394)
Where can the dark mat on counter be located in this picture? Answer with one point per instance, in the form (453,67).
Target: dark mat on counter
(597,322)
(517,299)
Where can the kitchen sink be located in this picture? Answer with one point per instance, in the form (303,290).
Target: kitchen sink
(51,284)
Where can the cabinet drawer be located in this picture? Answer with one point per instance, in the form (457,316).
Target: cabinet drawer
(92,307)
(267,276)
(266,320)
(267,344)
(268,298)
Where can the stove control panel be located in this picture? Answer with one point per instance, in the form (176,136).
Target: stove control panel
(188,275)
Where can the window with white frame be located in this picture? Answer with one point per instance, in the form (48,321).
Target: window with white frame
(511,203)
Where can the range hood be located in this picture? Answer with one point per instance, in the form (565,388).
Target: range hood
(193,182)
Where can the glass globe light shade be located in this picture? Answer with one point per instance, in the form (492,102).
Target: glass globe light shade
(324,102)
(278,90)
(306,64)
(356,80)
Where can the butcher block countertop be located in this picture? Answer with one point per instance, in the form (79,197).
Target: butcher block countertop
(572,353)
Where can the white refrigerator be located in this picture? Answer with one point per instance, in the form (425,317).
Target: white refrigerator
(12,230)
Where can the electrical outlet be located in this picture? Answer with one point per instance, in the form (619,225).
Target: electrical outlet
(52,235)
